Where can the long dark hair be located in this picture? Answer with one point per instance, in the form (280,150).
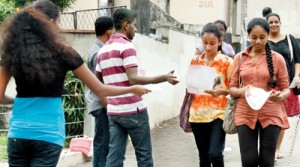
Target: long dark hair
(265,25)
(31,46)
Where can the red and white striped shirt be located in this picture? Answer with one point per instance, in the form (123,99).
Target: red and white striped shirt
(114,58)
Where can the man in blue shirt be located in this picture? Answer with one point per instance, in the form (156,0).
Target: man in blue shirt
(97,106)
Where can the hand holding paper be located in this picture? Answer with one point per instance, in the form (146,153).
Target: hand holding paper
(200,78)
(276,96)
(256,97)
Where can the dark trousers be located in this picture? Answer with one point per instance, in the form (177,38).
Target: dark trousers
(210,140)
(101,139)
(32,153)
(248,140)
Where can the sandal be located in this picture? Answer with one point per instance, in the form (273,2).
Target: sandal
(278,155)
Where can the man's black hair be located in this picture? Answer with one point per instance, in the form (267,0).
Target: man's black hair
(121,15)
(102,24)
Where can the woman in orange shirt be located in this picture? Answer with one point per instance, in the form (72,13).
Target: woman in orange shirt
(259,67)
(207,110)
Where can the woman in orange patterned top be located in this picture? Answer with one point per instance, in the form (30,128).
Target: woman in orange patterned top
(259,67)
(207,110)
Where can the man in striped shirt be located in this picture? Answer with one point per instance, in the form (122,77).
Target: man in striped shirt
(127,114)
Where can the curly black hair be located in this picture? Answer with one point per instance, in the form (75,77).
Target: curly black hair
(31,46)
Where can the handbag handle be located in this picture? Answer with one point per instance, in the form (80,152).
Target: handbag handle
(290,46)
(240,80)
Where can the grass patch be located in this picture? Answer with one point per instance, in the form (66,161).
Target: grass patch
(3,144)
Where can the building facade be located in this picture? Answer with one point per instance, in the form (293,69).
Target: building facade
(200,12)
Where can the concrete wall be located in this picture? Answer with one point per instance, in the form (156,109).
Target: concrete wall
(199,11)
(122,3)
(155,58)
(288,10)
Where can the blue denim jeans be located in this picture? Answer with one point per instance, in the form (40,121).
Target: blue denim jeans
(137,127)
(32,153)
(210,140)
(101,138)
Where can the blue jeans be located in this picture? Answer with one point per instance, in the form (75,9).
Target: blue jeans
(137,127)
(32,153)
(101,138)
(210,140)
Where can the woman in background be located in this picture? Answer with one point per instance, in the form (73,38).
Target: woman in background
(279,43)
(225,48)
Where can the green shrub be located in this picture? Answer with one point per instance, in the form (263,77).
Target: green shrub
(74,106)
(7,8)
(62,4)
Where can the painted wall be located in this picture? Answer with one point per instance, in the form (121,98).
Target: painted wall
(122,3)
(288,11)
(155,58)
(203,11)
(199,11)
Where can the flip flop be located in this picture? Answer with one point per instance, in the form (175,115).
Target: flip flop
(278,155)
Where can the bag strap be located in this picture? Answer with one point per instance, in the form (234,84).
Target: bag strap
(290,46)
(240,80)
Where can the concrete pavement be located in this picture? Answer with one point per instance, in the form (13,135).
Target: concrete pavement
(174,148)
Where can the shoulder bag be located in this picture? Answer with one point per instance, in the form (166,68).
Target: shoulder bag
(185,109)
(228,123)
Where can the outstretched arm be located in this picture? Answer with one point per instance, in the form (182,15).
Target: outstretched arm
(134,78)
(89,79)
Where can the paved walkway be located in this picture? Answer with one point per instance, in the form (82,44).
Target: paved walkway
(174,148)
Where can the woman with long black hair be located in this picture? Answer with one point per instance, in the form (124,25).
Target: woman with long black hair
(33,53)
(262,68)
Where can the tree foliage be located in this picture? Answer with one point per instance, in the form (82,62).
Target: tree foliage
(62,4)
(6,9)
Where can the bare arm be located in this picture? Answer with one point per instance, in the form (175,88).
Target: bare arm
(89,79)
(134,78)
(217,92)
(297,69)
(237,92)
(103,99)
(4,79)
